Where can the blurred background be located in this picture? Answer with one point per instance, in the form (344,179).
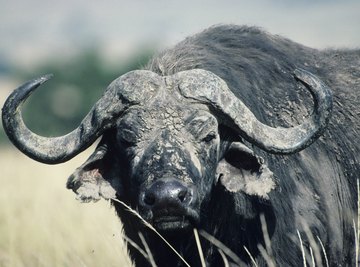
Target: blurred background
(86,45)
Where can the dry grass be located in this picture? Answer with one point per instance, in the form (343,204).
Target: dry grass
(41,223)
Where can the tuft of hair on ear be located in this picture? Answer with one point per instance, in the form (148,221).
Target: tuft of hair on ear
(241,170)
(93,180)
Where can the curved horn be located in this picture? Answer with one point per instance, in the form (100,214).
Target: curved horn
(119,96)
(215,92)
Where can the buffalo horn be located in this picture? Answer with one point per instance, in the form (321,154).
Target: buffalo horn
(57,149)
(215,93)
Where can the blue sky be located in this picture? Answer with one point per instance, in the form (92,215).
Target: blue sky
(40,30)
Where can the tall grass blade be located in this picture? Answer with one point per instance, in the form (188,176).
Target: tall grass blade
(251,257)
(268,255)
(198,244)
(132,243)
(148,252)
(302,248)
(356,243)
(314,247)
(222,246)
(268,259)
(312,257)
(324,251)
(357,227)
(223,256)
(265,235)
(153,229)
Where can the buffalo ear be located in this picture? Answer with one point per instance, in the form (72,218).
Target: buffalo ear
(95,178)
(241,170)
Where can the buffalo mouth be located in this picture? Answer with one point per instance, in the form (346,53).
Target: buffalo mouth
(171,223)
(174,221)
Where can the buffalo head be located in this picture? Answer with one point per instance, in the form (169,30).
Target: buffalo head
(167,140)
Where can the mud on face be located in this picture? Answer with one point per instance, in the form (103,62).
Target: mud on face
(171,155)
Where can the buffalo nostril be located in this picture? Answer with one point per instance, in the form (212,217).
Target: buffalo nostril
(182,195)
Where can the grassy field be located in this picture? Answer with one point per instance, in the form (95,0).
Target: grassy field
(41,223)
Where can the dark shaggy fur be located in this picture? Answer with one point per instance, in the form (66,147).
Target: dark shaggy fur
(316,188)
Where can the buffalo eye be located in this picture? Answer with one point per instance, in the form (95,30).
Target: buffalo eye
(127,138)
(208,138)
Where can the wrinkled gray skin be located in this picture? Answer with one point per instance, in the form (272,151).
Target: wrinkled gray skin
(179,147)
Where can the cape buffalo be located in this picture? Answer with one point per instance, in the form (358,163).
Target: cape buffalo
(247,136)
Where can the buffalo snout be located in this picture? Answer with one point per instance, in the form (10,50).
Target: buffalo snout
(170,204)
(165,194)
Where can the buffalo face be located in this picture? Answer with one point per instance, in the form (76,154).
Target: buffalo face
(170,154)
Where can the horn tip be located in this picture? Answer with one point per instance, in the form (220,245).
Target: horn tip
(45,78)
